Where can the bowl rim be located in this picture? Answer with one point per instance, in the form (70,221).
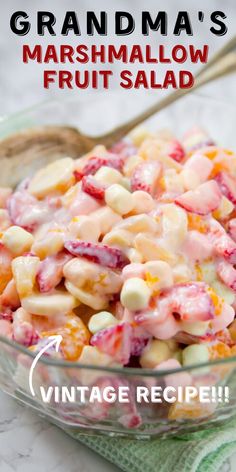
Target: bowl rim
(129,371)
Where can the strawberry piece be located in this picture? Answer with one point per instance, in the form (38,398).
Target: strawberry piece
(203,200)
(26,211)
(17,204)
(223,245)
(93,164)
(145,177)
(99,410)
(187,302)
(50,272)
(176,150)
(227,185)
(25,334)
(115,341)
(138,345)
(93,187)
(130,417)
(197,246)
(78,175)
(7,315)
(124,148)
(101,254)
(227,274)
(115,161)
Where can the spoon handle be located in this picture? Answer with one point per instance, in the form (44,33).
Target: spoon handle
(221,65)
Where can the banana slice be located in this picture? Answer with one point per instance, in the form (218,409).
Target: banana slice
(49,305)
(57,176)
(95,301)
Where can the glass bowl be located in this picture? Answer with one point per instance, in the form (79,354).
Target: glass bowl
(137,419)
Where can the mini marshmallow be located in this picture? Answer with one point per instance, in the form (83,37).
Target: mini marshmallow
(108,175)
(154,353)
(17,240)
(195,354)
(119,238)
(119,199)
(101,320)
(143,202)
(135,294)
(105,218)
(83,227)
(158,275)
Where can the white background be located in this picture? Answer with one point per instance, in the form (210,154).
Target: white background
(27,443)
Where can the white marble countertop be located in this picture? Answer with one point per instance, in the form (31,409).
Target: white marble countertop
(27,442)
(30,444)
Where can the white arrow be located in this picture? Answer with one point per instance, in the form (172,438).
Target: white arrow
(52,340)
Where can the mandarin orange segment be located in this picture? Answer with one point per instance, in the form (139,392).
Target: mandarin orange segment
(219,351)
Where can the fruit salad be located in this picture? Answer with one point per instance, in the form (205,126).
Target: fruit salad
(128,253)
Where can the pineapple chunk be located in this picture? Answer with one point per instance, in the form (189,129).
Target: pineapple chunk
(17,240)
(50,245)
(24,272)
